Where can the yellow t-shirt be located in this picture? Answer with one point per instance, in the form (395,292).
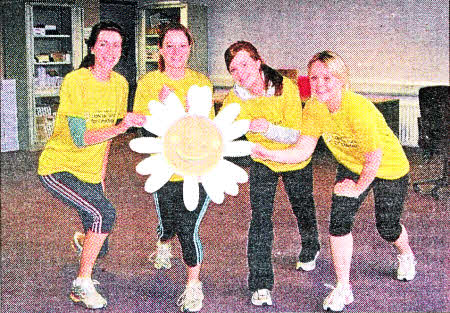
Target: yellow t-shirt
(101,104)
(354,130)
(284,110)
(150,85)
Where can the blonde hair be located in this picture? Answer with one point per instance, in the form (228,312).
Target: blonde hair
(335,64)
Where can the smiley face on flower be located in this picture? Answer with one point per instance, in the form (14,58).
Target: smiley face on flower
(193,146)
(184,150)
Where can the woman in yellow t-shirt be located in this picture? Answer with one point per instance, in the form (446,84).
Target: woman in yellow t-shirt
(273,105)
(369,156)
(72,165)
(175,43)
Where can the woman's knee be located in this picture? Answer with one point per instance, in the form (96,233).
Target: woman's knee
(389,231)
(340,228)
(107,218)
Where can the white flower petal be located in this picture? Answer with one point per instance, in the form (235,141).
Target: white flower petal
(231,189)
(213,187)
(174,106)
(199,100)
(235,130)
(169,111)
(237,148)
(238,174)
(151,164)
(227,115)
(190,192)
(159,177)
(156,125)
(146,145)
(156,108)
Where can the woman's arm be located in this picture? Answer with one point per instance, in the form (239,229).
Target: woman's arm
(105,163)
(300,152)
(350,188)
(92,137)
(274,132)
(82,137)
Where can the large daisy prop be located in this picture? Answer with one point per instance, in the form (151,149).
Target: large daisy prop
(193,146)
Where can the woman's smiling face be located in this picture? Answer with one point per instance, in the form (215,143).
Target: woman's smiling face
(175,49)
(245,70)
(325,86)
(107,49)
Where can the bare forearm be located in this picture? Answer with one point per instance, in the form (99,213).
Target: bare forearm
(100,135)
(302,150)
(92,137)
(370,169)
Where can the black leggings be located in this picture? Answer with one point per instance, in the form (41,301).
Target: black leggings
(389,196)
(299,188)
(175,219)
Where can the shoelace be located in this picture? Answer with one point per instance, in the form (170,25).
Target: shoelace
(335,289)
(196,294)
(405,262)
(263,294)
(162,253)
(86,288)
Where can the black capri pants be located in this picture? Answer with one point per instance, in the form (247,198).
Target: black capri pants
(96,212)
(389,196)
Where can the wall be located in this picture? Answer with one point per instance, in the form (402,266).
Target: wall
(391,46)
(91,12)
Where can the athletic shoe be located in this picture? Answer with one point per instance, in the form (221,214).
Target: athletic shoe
(192,298)
(83,292)
(161,257)
(406,267)
(77,242)
(307,266)
(262,297)
(340,297)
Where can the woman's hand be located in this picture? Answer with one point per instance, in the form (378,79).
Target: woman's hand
(350,188)
(259,125)
(347,188)
(259,152)
(132,120)
(164,93)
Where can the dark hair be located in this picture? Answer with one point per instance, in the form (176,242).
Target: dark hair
(89,59)
(270,75)
(162,34)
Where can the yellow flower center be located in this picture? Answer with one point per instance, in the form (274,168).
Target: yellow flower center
(193,145)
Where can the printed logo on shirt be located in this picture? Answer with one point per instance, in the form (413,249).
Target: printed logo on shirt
(101,118)
(340,140)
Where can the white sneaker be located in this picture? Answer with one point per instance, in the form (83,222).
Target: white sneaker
(406,267)
(83,292)
(340,297)
(262,297)
(307,266)
(192,298)
(161,257)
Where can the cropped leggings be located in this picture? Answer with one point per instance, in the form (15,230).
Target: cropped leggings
(96,212)
(389,196)
(175,220)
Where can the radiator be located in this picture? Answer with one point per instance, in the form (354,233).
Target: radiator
(409,129)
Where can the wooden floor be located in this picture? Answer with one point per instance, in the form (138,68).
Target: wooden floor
(38,264)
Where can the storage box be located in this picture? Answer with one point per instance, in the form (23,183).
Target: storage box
(50,30)
(39,31)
